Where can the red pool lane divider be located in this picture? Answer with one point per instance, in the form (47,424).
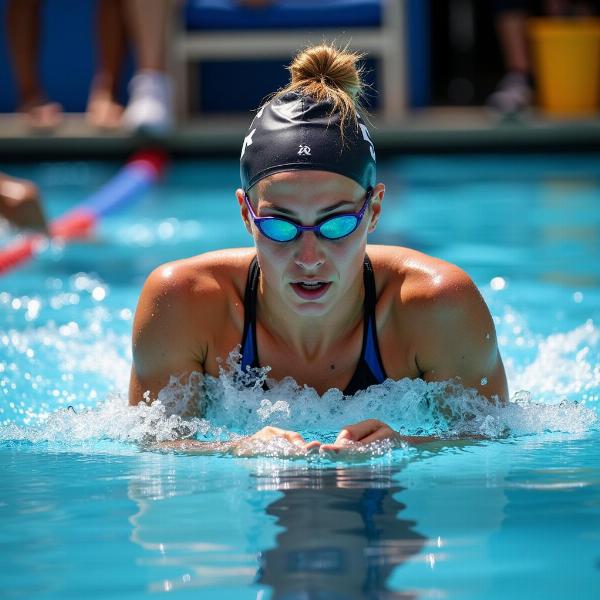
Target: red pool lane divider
(137,176)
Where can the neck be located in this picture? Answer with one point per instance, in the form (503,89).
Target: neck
(311,336)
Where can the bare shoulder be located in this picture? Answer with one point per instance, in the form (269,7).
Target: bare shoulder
(183,299)
(203,276)
(413,277)
(436,306)
(183,308)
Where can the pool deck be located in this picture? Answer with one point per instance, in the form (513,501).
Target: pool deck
(444,129)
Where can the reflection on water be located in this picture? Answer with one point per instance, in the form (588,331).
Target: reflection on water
(270,529)
(342,535)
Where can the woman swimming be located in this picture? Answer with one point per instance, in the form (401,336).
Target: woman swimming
(311,299)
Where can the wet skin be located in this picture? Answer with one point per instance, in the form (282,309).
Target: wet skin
(432,323)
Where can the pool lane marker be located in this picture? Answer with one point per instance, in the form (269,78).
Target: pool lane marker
(129,184)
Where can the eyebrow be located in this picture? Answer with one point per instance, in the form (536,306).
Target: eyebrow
(328,209)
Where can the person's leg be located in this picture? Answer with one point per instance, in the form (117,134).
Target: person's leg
(148,22)
(103,110)
(23,27)
(514,91)
(512,33)
(150,105)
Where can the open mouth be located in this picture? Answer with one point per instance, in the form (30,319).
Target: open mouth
(310,290)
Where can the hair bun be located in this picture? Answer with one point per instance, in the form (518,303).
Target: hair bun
(326,67)
(329,73)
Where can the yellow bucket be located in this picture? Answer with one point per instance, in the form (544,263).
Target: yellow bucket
(566,65)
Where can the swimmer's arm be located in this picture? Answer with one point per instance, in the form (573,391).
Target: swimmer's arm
(459,340)
(163,340)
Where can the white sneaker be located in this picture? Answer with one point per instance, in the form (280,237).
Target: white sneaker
(150,106)
(512,95)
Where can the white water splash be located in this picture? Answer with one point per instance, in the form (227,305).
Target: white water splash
(566,366)
(111,420)
(86,360)
(412,407)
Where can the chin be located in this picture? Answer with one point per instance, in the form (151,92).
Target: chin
(311,309)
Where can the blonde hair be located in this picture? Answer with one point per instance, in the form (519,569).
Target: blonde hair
(326,72)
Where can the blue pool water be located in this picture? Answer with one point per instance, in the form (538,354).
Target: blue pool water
(89,509)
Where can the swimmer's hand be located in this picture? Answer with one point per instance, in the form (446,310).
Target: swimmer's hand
(259,444)
(364,432)
(367,432)
(20,203)
(269,441)
(269,433)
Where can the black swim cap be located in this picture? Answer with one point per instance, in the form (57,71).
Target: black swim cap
(296,132)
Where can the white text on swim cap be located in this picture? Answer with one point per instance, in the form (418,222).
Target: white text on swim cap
(304,150)
(367,139)
(247,142)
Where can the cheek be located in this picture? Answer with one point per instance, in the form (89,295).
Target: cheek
(348,250)
(272,257)
(355,255)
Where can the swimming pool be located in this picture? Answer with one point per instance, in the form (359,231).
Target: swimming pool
(88,509)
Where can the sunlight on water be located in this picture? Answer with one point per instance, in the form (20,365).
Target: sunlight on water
(63,349)
(64,380)
(566,365)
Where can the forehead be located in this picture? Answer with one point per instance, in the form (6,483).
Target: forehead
(310,186)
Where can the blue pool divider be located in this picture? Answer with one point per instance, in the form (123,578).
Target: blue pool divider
(129,184)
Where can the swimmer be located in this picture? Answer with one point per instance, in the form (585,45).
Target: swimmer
(311,299)
(20,203)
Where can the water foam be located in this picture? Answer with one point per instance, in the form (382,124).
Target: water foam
(412,407)
(232,408)
(566,366)
(53,358)
(62,348)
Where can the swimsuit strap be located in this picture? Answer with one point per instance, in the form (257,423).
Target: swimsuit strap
(369,370)
(370,351)
(249,348)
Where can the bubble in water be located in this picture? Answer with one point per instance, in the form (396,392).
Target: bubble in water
(498,283)
(99,293)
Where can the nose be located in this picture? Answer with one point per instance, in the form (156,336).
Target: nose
(309,255)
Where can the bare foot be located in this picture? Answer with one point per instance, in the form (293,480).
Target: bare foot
(20,203)
(41,115)
(103,112)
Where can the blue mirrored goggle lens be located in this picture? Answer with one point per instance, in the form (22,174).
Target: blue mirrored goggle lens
(338,227)
(335,228)
(278,230)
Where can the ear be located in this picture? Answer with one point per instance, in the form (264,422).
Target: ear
(239,194)
(375,206)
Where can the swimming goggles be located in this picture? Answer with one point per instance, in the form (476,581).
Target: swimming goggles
(279,229)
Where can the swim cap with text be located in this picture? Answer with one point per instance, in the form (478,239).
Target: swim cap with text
(296,132)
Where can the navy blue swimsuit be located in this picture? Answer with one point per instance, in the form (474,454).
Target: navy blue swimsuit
(369,370)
